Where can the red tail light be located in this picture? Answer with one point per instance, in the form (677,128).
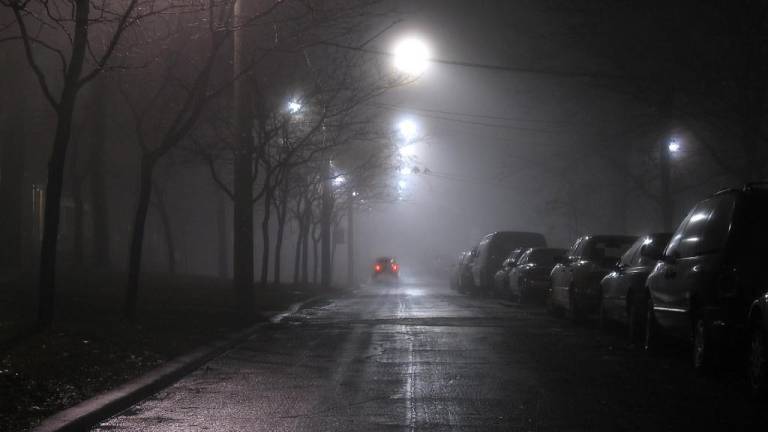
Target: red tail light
(395,268)
(377,268)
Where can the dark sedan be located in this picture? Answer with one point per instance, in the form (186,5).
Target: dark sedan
(529,279)
(576,281)
(623,289)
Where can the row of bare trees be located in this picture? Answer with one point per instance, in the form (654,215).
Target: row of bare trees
(212,80)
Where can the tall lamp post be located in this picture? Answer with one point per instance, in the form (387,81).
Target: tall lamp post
(667,148)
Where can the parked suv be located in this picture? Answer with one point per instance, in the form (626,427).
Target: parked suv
(576,281)
(623,289)
(529,279)
(711,273)
(492,251)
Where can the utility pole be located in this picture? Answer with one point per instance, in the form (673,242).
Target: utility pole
(665,197)
(351,238)
(326,214)
(242,257)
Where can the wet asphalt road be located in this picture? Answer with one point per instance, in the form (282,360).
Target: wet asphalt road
(420,357)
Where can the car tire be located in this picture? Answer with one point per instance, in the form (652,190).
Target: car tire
(704,351)
(758,361)
(651,334)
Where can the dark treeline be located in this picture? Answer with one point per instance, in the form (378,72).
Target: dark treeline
(122,120)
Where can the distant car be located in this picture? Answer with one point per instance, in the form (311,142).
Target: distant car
(623,289)
(500,281)
(464,282)
(575,286)
(529,279)
(710,283)
(492,251)
(386,270)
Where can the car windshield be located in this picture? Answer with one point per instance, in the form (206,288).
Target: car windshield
(606,248)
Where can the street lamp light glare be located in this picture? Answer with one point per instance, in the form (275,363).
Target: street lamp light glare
(408,129)
(339,180)
(674,146)
(408,150)
(402,184)
(411,56)
(294,107)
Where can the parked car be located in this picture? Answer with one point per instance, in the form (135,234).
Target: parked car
(758,346)
(529,279)
(492,250)
(575,286)
(710,275)
(623,289)
(386,270)
(464,271)
(500,281)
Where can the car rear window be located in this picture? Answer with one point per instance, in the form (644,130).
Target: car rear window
(545,256)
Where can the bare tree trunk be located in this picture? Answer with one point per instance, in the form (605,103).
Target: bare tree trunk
(165,220)
(48,249)
(297,255)
(99,208)
(12,163)
(315,261)
(282,215)
(221,225)
(265,235)
(305,245)
(351,238)
(242,220)
(137,236)
(64,113)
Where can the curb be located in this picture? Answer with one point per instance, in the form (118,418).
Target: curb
(86,414)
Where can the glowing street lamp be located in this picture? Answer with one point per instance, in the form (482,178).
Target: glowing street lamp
(294,106)
(338,181)
(674,146)
(408,129)
(411,56)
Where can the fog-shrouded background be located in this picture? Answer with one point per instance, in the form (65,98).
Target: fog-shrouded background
(547,116)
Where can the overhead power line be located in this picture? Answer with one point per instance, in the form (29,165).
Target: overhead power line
(493,67)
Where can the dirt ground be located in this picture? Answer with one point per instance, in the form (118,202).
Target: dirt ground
(90,349)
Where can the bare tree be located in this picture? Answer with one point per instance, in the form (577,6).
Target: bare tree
(81,37)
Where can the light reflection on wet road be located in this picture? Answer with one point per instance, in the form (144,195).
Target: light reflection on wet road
(420,357)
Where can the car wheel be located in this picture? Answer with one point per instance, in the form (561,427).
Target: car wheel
(703,349)
(650,339)
(758,362)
